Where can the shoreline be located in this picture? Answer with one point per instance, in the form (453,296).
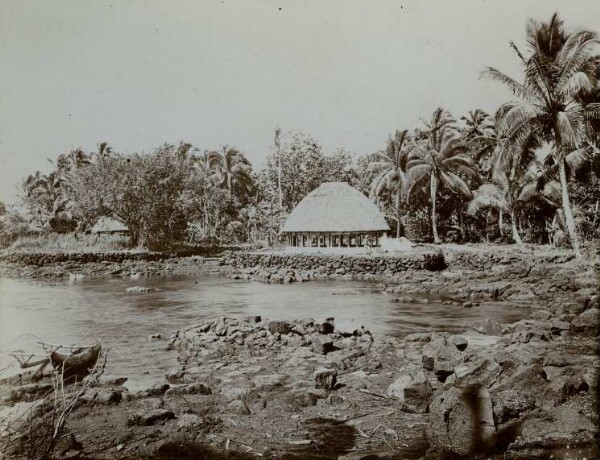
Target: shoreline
(282,375)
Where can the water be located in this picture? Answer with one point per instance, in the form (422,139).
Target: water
(68,312)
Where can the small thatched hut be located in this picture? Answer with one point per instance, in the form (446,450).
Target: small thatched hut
(335,215)
(109,226)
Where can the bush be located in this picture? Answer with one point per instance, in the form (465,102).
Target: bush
(70,242)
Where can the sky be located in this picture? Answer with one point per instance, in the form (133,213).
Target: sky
(139,73)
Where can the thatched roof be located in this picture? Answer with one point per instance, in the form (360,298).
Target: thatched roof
(335,207)
(108,225)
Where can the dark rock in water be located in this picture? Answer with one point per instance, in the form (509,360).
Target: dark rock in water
(280,327)
(327,327)
(325,378)
(462,421)
(252,319)
(150,418)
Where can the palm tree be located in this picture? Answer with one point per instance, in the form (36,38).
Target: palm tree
(437,160)
(392,176)
(557,69)
(231,170)
(487,197)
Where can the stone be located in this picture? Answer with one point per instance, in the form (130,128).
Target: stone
(238,407)
(422,337)
(197,388)
(189,421)
(411,387)
(325,378)
(512,404)
(322,344)
(269,382)
(462,421)
(459,342)
(139,289)
(541,315)
(561,426)
(588,322)
(150,418)
(488,327)
(572,308)
(280,327)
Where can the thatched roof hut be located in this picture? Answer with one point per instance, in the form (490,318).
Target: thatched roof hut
(335,214)
(109,226)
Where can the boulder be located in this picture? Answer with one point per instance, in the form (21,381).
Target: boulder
(562,426)
(459,342)
(197,388)
(511,404)
(412,387)
(150,418)
(325,378)
(238,407)
(280,327)
(189,421)
(488,327)
(322,344)
(462,421)
(588,322)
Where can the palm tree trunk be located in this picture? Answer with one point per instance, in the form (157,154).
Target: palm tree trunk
(433,189)
(515,231)
(501,221)
(566,205)
(398,212)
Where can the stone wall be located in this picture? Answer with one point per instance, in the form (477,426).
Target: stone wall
(336,264)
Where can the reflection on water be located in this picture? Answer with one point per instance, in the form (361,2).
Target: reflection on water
(63,312)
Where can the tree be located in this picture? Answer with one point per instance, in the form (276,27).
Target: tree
(558,68)
(392,176)
(232,171)
(438,159)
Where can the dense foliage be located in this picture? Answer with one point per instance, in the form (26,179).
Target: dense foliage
(528,174)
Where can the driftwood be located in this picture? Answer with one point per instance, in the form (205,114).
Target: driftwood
(78,360)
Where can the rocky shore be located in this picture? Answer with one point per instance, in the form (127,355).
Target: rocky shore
(298,388)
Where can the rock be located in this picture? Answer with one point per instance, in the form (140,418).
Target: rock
(428,360)
(459,342)
(280,327)
(418,337)
(325,378)
(102,396)
(446,359)
(327,327)
(412,387)
(322,344)
(588,322)
(269,382)
(541,315)
(189,421)
(139,289)
(252,319)
(158,389)
(335,399)
(560,426)
(487,326)
(238,407)
(511,404)
(150,418)
(197,388)
(462,421)
(572,308)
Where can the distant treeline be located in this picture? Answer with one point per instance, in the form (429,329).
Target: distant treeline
(529,173)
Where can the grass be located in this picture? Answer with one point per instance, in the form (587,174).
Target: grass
(70,243)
